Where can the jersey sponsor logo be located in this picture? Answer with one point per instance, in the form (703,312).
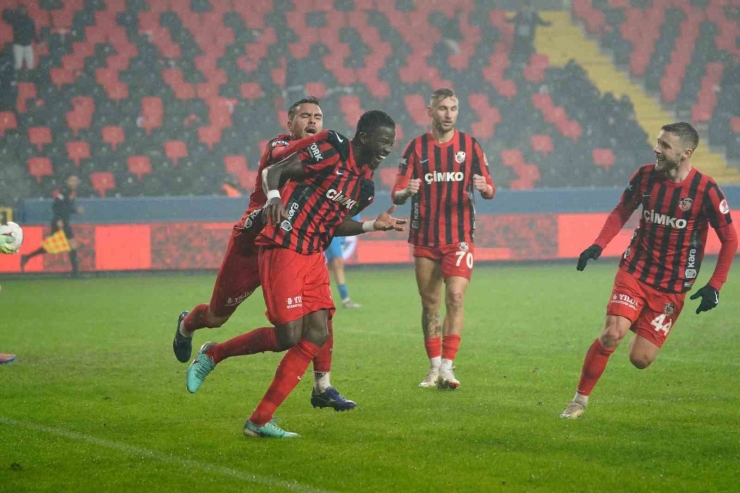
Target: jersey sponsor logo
(287,224)
(685,204)
(276,143)
(460,157)
(251,218)
(691,272)
(623,299)
(237,301)
(336,196)
(315,152)
(296,302)
(439,176)
(665,220)
(723,207)
(415,216)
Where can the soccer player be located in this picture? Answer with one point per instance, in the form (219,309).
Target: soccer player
(238,276)
(303,216)
(662,261)
(335,262)
(62,208)
(440,171)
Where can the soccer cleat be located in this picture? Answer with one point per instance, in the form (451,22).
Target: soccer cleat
(182,346)
(333,399)
(6,358)
(267,430)
(199,369)
(348,303)
(431,379)
(447,380)
(574,410)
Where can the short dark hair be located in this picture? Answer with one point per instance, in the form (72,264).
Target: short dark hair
(372,120)
(307,100)
(683,131)
(441,94)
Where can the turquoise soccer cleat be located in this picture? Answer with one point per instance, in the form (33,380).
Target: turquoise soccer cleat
(267,430)
(199,369)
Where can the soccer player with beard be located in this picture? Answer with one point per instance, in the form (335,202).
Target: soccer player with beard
(662,262)
(440,171)
(238,276)
(323,185)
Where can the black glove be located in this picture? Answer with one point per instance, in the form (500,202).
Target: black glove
(709,298)
(594,252)
(367,195)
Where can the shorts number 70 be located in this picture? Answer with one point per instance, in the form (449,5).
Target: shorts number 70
(468,259)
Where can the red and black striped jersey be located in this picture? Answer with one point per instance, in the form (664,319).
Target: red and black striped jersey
(319,203)
(443,211)
(667,248)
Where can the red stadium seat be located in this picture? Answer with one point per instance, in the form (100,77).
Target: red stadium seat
(139,166)
(40,166)
(388,177)
(7,122)
(113,136)
(251,90)
(512,158)
(175,150)
(152,111)
(77,151)
(26,90)
(417,108)
(541,143)
(209,136)
(39,136)
(235,164)
(77,121)
(102,182)
(60,76)
(316,89)
(734,124)
(603,158)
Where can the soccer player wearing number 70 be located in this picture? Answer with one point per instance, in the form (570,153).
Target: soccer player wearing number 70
(663,259)
(440,172)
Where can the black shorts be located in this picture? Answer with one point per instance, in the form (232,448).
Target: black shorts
(66,227)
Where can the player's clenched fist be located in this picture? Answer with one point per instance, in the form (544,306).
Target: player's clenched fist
(413,187)
(479,183)
(592,252)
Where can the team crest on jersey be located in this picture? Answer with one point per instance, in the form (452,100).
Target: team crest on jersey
(463,247)
(460,157)
(685,204)
(723,207)
(668,309)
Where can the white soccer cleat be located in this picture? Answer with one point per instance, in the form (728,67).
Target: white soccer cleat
(447,380)
(574,410)
(431,380)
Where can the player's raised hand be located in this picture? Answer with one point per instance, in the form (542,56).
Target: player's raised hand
(479,183)
(386,222)
(592,252)
(709,298)
(274,211)
(414,185)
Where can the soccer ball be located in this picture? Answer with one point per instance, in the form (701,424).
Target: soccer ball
(11,238)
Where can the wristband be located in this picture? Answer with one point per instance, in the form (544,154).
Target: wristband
(273,194)
(368,226)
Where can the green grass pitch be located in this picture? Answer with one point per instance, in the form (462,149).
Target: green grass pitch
(97,402)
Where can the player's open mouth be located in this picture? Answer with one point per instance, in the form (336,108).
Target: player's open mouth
(311,130)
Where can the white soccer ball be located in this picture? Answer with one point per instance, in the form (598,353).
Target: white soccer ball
(11,238)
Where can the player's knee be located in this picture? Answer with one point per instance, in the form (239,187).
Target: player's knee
(610,337)
(640,361)
(316,334)
(288,335)
(454,299)
(430,301)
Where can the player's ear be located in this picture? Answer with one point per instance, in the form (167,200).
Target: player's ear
(687,153)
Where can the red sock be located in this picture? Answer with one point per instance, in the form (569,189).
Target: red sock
(288,374)
(433,346)
(196,319)
(256,341)
(593,366)
(450,345)
(322,361)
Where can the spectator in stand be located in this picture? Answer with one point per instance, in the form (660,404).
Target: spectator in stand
(525,23)
(24,35)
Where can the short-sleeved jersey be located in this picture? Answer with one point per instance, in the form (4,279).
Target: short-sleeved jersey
(667,248)
(258,198)
(443,211)
(317,204)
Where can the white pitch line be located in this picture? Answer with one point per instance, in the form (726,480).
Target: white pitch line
(173,459)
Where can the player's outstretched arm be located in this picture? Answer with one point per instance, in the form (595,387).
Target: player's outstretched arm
(592,252)
(384,222)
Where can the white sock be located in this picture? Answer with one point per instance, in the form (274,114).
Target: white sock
(581,399)
(446,365)
(435,362)
(183,331)
(321,381)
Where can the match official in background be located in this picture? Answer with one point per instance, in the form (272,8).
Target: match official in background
(62,208)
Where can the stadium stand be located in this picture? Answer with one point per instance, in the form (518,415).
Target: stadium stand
(159,97)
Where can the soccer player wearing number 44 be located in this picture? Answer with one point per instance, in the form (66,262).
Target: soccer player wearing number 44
(440,171)
(663,259)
